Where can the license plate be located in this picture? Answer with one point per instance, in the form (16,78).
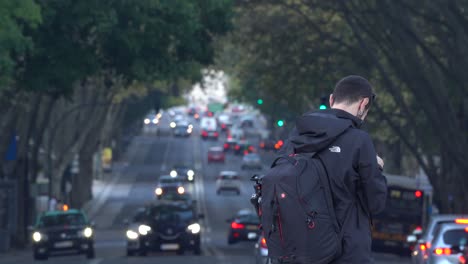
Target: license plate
(63,244)
(170,246)
(252,235)
(252,227)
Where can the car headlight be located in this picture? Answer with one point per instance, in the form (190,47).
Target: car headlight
(144,229)
(173,173)
(190,177)
(132,235)
(180,190)
(189,131)
(147,121)
(158,191)
(88,232)
(172,125)
(155,121)
(190,173)
(194,228)
(190,126)
(36,237)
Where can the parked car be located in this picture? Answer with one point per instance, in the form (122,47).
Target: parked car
(244,226)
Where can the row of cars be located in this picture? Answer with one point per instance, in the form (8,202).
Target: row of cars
(444,241)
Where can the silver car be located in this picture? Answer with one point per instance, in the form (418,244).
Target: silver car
(448,243)
(420,252)
(261,251)
(251,161)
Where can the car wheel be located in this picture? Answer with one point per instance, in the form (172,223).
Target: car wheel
(90,254)
(197,251)
(231,240)
(38,256)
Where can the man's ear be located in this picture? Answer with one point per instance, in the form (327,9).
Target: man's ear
(331,100)
(363,104)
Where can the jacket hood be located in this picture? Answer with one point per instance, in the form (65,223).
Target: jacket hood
(317,130)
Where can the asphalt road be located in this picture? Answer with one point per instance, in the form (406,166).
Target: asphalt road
(133,185)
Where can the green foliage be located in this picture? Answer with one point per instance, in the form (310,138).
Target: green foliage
(14,16)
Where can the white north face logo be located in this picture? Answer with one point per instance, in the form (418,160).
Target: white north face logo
(335,149)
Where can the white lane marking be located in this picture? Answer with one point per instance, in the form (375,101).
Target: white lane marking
(200,194)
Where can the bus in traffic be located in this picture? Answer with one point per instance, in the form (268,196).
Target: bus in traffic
(408,207)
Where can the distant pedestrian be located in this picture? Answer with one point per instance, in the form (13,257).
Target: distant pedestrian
(356,183)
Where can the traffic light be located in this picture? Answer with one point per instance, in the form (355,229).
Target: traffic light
(323,103)
(259,101)
(280,123)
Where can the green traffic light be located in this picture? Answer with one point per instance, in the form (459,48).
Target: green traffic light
(280,123)
(259,101)
(323,107)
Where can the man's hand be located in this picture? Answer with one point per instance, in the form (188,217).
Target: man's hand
(380,162)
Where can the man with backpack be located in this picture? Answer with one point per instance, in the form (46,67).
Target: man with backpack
(318,198)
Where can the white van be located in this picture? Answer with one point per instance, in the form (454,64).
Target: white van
(209,128)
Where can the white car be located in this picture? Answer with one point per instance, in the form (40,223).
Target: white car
(228,181)
(448,243)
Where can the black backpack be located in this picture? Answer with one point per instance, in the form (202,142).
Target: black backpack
(295,205)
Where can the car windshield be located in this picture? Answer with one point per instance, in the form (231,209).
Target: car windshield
(248,218)
(171,214)
(62,220)
(252,157)
(168,180)
(456,237)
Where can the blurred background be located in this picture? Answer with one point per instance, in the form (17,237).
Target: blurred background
(97,98)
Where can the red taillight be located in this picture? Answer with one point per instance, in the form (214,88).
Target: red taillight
(262,145)
(223,126)
(418,228)
(443,251)
(204,133)
(424,246)
(226,145)
(246,152)
(251,148)
(462,260)
(237,147)
(235,225)
(215,134)
(418,194)
(461,221)
(277,146)
(280,142)
(263,243)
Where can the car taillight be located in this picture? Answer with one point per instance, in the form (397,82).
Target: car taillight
(246,152)
(418,194)
(422,247)
(462,260)
(223,126)
(237,147)
(262,145)
(226,145)
(235,225)
(204,133)
(251,148)
(215,134)
(263,243)
(443,251)
(461,221)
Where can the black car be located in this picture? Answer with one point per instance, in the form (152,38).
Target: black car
(230,145)
(184,172)
(245,226)
(243,147)
(165,226)
(62,232)
(182,130)
(169,185)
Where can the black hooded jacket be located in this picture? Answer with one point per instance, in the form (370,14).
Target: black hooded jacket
(357,183)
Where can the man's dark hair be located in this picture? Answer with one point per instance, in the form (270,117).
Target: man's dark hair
(351,89)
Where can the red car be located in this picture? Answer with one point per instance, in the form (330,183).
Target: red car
(216,154)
